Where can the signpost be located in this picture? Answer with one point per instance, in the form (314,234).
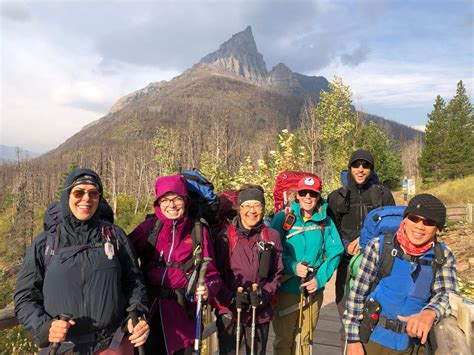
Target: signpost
(405,190)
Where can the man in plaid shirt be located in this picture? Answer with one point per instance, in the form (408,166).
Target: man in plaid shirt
(408,300)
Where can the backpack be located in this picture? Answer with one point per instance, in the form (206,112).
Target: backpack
(204,202)
(285,189)
(386,220)
(52,226)
(382,220)
(226,212)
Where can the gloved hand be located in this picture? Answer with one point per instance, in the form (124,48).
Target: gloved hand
(242,300)
(256,297)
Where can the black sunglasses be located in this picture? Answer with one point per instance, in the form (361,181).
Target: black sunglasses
(303,193)
(426,221)
(365,165)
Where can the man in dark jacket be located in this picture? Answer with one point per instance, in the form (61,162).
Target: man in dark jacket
(348,207)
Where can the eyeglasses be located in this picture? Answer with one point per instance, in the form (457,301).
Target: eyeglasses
(79,194)
(165,202)
(364,164)
(426,221)
(247,207)
(303,193)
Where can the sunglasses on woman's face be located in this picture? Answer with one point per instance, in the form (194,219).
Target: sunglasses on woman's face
(303,193)
(79,194)
(426,221)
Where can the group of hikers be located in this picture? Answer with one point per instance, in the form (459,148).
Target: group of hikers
(85,287)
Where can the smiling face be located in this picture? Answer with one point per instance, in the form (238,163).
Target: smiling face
(84,201)
(251,213)
(172,205)
(419,230)
(360,171)
(308,201)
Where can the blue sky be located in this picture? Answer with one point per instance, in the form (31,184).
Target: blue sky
(64,63)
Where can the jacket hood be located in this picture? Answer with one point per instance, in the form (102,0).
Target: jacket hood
(68,217)
(165,184)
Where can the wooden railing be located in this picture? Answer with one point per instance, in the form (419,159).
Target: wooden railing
(7,318)
(460,213)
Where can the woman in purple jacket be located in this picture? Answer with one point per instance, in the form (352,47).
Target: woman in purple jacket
(172,311)
(248,253)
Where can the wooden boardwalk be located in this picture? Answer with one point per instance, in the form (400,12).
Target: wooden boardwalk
(327,339)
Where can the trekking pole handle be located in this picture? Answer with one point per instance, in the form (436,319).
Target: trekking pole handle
(203,270)
(134,317)
(55,346)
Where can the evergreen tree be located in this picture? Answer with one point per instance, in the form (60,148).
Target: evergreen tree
(432,155)
(458,160)
(388,163)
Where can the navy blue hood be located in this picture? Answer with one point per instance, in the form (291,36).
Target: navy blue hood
(68,217)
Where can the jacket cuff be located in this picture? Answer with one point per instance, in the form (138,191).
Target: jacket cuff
(43,336)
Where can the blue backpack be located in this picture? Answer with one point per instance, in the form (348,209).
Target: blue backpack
(381,220)
(204,202)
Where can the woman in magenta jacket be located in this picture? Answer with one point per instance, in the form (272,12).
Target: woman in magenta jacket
(172,314)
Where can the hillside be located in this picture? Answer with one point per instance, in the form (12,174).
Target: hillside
(229,104)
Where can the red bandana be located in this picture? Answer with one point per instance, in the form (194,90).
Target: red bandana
(408,247)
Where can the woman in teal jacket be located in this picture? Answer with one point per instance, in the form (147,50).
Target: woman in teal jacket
(312,250)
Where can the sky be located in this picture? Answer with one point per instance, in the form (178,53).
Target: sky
(63,64)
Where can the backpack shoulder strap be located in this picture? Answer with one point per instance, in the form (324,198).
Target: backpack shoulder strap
(198,225)
(151,241)
(264,234)
(52,244)
(232,239)
(439,260)
(387,258)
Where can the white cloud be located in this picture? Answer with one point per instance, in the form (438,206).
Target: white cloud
(399,85)
(49,93)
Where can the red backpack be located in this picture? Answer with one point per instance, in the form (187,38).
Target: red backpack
(286,186)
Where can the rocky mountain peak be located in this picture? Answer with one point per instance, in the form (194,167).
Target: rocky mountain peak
(240,56)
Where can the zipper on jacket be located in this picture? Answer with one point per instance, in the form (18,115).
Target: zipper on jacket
(163,280)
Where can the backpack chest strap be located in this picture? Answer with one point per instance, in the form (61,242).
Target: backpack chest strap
(300,230)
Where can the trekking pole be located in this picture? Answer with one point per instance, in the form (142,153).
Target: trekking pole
(252,334)
(300,322)
(237,331)
(310,271)
(134,317)
(201,279)
(55,346)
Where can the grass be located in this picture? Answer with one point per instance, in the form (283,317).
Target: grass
(454,192)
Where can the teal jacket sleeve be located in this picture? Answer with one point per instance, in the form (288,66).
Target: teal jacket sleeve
(289,262)
(333,250)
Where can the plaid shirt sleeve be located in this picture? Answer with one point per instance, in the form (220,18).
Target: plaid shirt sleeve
(445,282)
(355,301)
